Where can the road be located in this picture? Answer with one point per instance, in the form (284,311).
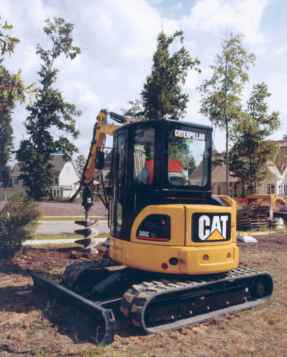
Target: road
(67,227)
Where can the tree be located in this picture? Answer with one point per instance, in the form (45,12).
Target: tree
(221,94)
(135,109)
(80,164)
(18,218)
(251,150)
(11,90)
(162,94)
(6,146)
(51,119)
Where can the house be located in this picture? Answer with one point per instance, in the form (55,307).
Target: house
(65,178)
(218,177)
(276,178)
(275,181)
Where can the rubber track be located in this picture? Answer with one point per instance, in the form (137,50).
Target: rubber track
(136,299)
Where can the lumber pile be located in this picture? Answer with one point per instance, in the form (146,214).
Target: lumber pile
(253,217)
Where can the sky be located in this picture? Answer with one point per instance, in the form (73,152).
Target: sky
(117,39)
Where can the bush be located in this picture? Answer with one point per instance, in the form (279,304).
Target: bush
(18,218)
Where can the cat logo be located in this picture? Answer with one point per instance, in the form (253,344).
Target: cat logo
(211,227)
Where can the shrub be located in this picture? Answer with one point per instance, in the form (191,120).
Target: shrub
(18,218)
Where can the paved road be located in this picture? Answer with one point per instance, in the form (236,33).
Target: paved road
(68,227)
(66,209)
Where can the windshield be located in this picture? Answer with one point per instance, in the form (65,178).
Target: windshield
(144,142)
(187,158)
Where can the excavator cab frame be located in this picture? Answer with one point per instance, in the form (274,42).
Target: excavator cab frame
(148,142)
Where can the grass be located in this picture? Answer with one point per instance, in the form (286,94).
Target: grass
(68,218)
(56,236)
(58,246)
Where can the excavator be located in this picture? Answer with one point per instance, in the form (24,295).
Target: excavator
(173,258)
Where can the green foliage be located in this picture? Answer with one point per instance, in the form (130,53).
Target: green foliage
(135,109)
(51,119)
(17,220)
(162,94)
(251,151)
(221,94)
(80,164)
(7,42)
(11,91)
(6,145)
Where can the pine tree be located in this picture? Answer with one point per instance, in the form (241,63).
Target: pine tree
(51,119)
(221,94)
(6,145)
(11,91)
(162,95)
(251,150)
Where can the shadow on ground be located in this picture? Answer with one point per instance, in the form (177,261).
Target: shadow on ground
(68,320)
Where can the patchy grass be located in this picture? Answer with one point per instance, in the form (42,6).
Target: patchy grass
(69,218)
(55,236)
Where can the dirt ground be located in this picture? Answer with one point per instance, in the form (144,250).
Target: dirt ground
(31,326)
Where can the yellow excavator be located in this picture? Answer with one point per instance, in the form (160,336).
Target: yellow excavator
(173,258)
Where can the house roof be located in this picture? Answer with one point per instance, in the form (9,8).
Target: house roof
(57,161)
(218,174)
(279,163)
(281,158)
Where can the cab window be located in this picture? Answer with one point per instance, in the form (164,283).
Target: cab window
(143,156)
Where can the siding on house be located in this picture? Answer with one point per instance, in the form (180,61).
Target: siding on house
(218,178)
(65,179)
(275,181)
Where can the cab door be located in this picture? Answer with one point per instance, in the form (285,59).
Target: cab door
(119,177)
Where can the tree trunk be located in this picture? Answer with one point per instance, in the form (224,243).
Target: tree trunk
(226,156)
(226,129)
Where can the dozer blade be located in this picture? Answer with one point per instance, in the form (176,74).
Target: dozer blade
(106,322)
(165,304)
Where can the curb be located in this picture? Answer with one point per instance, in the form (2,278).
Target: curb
(38,243)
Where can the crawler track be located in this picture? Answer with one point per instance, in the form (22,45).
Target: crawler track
(164,304)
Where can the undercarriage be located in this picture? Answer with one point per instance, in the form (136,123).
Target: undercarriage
(153,302)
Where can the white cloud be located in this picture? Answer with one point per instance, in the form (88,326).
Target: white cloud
(117,41)
(216,15)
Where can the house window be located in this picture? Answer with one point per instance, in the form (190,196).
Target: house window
(270,188)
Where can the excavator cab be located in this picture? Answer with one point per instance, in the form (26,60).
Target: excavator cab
(163,216)
(158,162)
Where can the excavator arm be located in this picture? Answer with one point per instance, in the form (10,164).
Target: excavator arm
(95,161)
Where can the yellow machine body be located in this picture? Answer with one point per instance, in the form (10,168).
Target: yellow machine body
(214,255)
